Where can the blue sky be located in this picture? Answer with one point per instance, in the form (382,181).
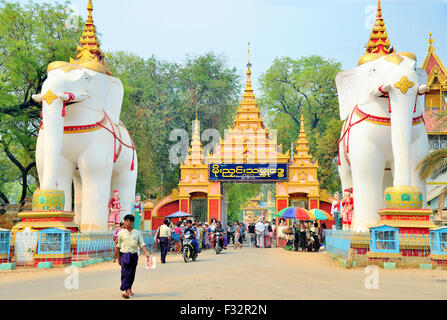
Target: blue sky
(336,29)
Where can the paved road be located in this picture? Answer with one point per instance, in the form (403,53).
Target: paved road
(242,274)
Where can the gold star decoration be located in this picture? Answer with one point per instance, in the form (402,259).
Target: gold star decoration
(49,97)
(404,84)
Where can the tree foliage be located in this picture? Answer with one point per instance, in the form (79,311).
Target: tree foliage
(305,86)
(238,195)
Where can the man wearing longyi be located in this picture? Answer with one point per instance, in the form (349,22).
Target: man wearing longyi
(129,241)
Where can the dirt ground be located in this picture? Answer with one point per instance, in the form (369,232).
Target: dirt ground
(250,273)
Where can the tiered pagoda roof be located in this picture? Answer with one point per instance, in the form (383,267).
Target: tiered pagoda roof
(378,44)
(436,87)
(248,141)
(195,156)
(378,41)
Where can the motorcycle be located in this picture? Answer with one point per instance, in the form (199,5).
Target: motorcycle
(311,242)
(188,249)
(218,242)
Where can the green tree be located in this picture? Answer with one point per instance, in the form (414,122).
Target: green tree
(306,86)
(238,195)
(31,36)
(434,166)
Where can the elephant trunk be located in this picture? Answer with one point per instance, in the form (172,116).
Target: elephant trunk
(402,114)
(53,125)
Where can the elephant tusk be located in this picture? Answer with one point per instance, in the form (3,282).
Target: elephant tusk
(65,97)
(376,93)
(37,97)
(422,89)
(386,88)
(381,91)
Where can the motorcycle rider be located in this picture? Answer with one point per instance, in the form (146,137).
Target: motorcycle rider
(190,233)
(221,230)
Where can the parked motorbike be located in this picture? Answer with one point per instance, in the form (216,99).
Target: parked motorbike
(311,242)
(188,249)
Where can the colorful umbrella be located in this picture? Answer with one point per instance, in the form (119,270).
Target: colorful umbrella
(321,215)
(296,213)
(179,214)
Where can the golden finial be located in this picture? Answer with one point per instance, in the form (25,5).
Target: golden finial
(197,114)
(88,48)
(249,64)
(378,44)
(88,53)
(302,124)
(431,48)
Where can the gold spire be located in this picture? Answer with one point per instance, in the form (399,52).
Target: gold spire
(430,44)
(302,145)
(249,64)
(88,53)
(88,48)
(195,152)
(302,125)
(248,114)
(378,44)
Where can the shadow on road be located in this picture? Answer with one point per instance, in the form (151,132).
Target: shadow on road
(150,295)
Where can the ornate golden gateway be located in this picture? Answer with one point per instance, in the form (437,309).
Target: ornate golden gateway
(249,141)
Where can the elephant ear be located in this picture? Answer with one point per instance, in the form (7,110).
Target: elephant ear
(422,79)
(114,99)
(348,92)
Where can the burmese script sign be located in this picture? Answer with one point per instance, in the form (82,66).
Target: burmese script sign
(249,172)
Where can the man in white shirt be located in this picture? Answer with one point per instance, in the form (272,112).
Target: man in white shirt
(259,229)
(126,250)
(164,235)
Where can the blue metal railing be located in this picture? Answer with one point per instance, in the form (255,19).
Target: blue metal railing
(5,242)
(338,242)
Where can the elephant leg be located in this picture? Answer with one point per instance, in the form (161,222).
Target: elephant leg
(388,176)
(77,183)
(368,166)
(64,181)
(95,167)
(40,157)
(344,170)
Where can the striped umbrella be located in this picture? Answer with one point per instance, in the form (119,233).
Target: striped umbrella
(321,215)
(296,213)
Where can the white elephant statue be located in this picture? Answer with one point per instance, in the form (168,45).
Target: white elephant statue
(384,137)
(81,131)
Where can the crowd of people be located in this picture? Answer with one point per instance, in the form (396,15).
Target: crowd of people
(204,232)
(307,236)
(262,233)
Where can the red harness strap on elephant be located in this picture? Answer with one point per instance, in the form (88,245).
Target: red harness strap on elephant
(115,154)
(383,121)
(97,126)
